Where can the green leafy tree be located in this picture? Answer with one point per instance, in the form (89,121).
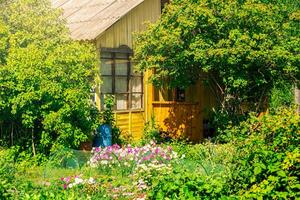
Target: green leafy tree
(45,79)
(245,47)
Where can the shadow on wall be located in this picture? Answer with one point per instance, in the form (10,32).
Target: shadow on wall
(180,120)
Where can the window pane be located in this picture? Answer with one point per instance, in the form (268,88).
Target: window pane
(106,86)
(105,68)
(136,84)
(136,101)
(180,94)
(121,67)
(121,84)
(121,101)
(106,55)
(122,55)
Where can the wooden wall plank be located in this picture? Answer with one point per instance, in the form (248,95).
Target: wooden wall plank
(121,33)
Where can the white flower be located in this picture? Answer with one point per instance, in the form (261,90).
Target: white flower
(175,155)
(78,180)
(104,162)
(91,180)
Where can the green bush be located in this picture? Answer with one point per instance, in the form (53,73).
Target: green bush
(151,132)
(55,191)
(267,163)
(183,184)
(46,79)
(262,161)
(7,173)
(281,95)
(107,117)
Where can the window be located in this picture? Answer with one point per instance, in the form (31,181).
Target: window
(120,79)
(180,94)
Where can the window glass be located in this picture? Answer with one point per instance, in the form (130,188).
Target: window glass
(121,101)
(122,55)
(180,94)
(136,84)
(106,86)
(121,84)
(106,67)
(121,67)
(136,101)
(106,55)
(121,79)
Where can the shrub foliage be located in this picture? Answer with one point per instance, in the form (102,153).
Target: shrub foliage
(45,79)
(268,162)
(264,164)
(243,47)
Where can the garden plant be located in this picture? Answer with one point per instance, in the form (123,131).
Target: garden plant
(248,49)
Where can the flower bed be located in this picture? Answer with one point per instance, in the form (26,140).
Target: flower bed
(70,181)
(131,156)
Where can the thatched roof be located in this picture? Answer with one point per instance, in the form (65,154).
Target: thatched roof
(87,19)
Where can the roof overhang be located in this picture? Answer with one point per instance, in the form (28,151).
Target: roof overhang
(87,19)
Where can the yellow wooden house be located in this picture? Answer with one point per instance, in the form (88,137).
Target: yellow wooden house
(110,25)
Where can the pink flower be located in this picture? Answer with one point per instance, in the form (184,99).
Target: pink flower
(109,149)
(129,150)
(146,158)
(68,179)
(65,186)
(157,150)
